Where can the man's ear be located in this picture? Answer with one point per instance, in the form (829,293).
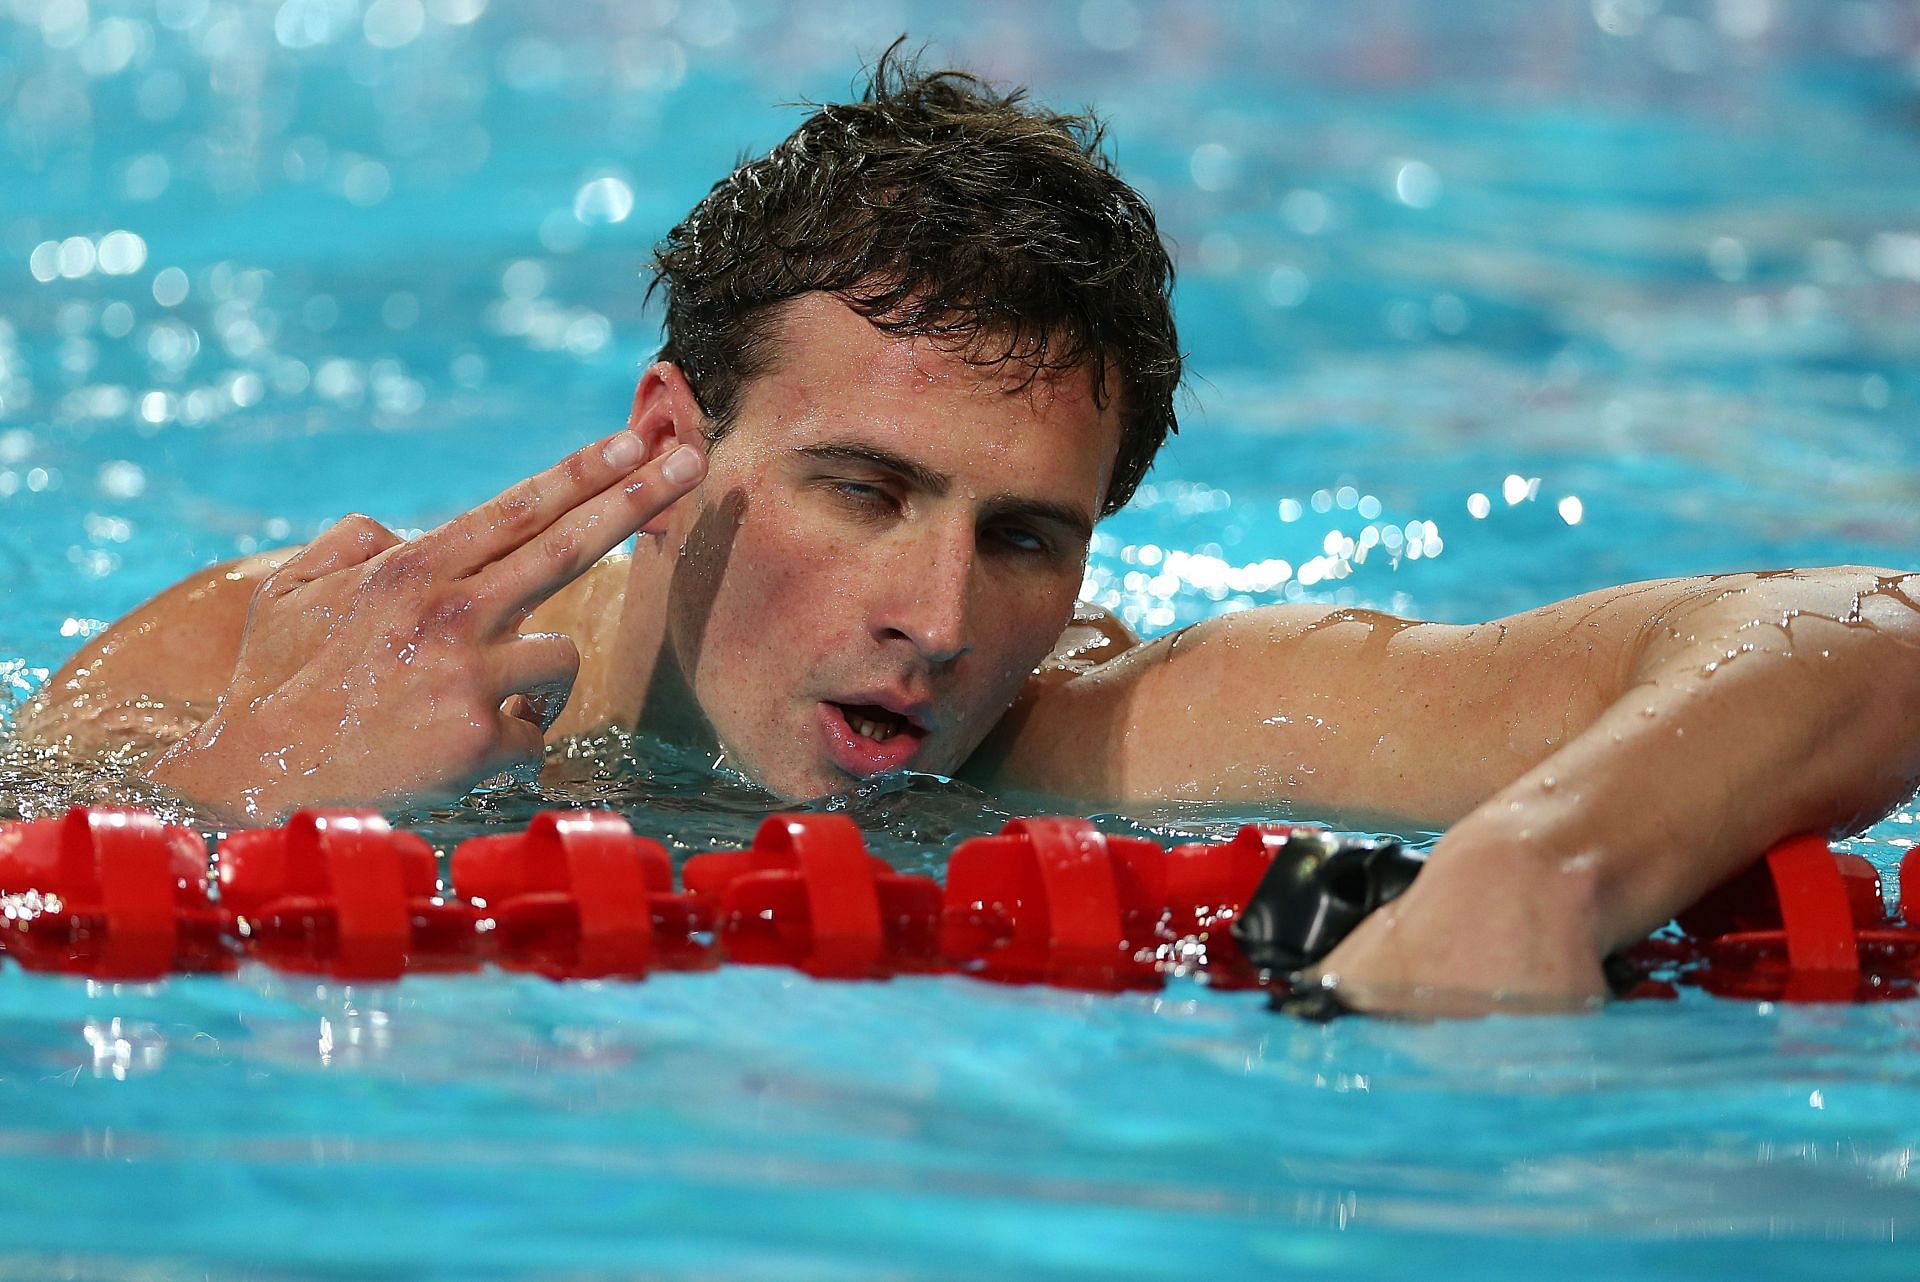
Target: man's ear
(666,415)
(665,411)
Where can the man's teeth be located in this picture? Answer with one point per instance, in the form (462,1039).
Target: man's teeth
(871,729)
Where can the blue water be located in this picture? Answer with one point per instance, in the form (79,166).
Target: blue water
(1661,259)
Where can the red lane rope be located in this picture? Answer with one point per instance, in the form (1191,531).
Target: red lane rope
(120,861)
(843,903)
(117,894)
(572,896)
(609,886)
(360,882)
(1823,957)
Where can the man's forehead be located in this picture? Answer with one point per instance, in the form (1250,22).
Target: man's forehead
(989,364)
(835,377)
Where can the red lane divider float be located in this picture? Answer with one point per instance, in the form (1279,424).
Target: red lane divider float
(109,893)
(1057,901)
(577,895)
(1803,924)
(1207,885)
(807,894)
(120,895)
(341,893)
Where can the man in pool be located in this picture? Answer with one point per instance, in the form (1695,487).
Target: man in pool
(911,356)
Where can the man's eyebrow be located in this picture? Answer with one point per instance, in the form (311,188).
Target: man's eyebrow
(1071,516)
(918,474)
(1074,518)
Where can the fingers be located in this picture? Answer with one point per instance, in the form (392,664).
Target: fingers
(519,743)
(565,550)
(539,710)
(352,540)
(524,510)
(534,675)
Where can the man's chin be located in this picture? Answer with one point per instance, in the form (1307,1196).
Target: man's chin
(800,791)
(812,783)
(786,780)
(809,771)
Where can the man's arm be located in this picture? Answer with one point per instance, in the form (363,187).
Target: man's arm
(364,669)
(1601,762)
(155,674)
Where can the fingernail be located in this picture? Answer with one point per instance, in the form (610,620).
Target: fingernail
(683,465)
(624,450)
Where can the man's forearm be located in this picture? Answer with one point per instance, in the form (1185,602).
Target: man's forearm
(1752,711)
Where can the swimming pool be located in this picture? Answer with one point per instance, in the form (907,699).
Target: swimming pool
(1487,303)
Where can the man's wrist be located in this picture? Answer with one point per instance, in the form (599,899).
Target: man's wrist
(200,768)
(1496,921)
(1492,874)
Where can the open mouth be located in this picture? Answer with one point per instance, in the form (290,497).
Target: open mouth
(872,721)
(865,739)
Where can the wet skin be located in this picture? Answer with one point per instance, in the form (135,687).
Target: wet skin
(882,551)
(888,543)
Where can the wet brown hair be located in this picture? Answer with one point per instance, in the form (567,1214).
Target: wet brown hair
(939,207)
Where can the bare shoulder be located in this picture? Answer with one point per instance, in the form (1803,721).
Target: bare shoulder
(1063,735)
(1309,701)
(1359,710)
(589,611)
(1096,636)
(164,664)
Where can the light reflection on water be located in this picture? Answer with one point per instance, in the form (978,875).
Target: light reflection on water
(1558,295)
(690,1103)
(1448,301)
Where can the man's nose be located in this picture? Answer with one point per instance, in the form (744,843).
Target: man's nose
(929,600)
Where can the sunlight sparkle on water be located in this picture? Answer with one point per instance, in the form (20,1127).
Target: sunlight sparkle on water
(1153,587)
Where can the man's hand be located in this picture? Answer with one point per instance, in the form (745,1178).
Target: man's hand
(376,670)
(1468,938)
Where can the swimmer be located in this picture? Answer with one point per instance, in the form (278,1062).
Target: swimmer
(911,356)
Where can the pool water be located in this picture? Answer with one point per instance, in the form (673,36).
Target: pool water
(1488,303)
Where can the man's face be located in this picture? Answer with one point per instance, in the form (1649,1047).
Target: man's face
(887,542)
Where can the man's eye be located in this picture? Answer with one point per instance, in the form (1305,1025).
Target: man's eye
(1020,539)
(861,494)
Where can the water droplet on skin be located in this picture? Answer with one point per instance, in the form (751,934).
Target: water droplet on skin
(1549,784)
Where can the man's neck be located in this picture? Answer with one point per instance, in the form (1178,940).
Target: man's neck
(630,677)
